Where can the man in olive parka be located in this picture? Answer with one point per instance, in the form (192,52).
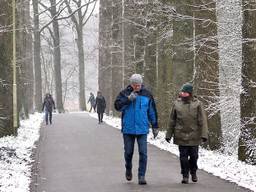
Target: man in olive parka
(188,127)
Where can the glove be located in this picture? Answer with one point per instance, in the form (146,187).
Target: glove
(168,140)
(204,139)
(155,132)
(132,96)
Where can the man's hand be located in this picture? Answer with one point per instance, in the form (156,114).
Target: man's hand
(168,140)
(155,132)
(132,96)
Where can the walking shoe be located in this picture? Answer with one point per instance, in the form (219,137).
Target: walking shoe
(128,175)
(194,177)
(142,180)
(184,180)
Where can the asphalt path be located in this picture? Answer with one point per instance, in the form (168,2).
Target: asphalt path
(76,154)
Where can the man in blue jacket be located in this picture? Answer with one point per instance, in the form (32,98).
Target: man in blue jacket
(138,111)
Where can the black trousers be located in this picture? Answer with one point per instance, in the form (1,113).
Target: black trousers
(100,117)
(92,107)
(48,117)
(188,159)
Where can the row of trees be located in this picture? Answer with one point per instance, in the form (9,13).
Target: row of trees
(171,42)
(16,87)
(21,76)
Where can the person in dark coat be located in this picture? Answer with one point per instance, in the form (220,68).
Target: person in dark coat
(48,106)
(138,111)
(92,101)
(100,105)
(188,127)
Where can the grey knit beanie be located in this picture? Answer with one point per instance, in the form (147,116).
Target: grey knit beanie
(136,79)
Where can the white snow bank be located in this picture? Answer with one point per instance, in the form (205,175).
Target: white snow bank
(223,166)
(15,156)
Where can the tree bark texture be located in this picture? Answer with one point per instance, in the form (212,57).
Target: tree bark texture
(57,58)
(37,59)
(246,151)
(6,72)
(206,70)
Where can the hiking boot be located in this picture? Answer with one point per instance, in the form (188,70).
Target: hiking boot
(184,180)
(128,175)
(142,180)
(194,177)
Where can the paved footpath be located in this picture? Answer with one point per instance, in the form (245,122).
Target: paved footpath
(75,154)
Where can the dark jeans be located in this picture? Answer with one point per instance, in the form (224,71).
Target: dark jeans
(92,107)
(188,159)
(100,117)
(129,141)
(48,116)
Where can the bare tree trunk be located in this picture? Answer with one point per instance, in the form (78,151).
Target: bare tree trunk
(6,81)
(102,33)
(80,47)
(182,42)
(24,59)
(129,38)
(150,68)
(247,141)
(207,66)
(150,57)
(116,52)
(37,61)
(164,94)
(29,59)
(57,58)
(105,60)
(21,60)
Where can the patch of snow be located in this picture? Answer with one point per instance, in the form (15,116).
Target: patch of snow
(221,165)
(15,156)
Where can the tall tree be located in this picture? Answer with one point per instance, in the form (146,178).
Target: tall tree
(116,51)
(7,126)
(206,62)
(24,58)
(150,57)
(230,63)
(37,61)
(105,56)
(83,12)
(55,34)
(247,141)
(164,94)
(182,44)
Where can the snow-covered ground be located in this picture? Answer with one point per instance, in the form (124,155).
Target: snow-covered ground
(15,156)
(223,166)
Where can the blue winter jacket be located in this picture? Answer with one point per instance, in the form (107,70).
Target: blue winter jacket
(137,115)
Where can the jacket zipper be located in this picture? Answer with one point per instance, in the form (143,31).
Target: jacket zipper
(134,107)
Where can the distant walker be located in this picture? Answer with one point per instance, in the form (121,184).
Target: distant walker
(48,106)
(100,105)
